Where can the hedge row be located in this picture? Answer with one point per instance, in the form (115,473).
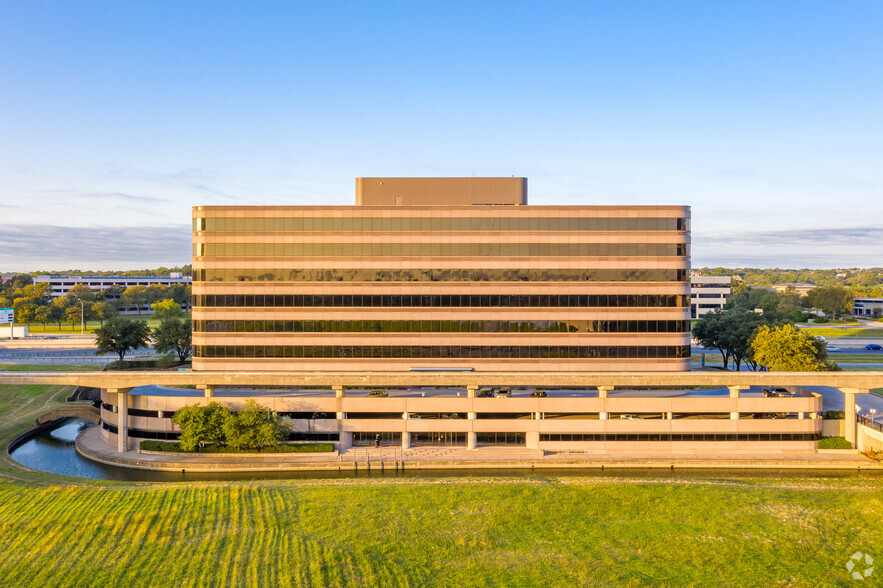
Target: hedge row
(175,447)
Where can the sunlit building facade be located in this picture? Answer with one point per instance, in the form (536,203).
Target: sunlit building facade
(456,273)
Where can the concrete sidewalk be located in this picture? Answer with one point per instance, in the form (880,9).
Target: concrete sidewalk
(90,446)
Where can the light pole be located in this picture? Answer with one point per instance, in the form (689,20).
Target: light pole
(82,318)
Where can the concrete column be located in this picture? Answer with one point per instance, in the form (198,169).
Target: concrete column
(346,441)
(209,391)
(122,418)
(602,393)
(801,415)
(669,416)
(734,393)
(406,440)
(849,413)
(532,439)
(470,440)
(470,391)
(339,392)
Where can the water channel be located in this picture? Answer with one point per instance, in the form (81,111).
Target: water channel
(53,450)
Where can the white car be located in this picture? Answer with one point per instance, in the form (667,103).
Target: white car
(832,349)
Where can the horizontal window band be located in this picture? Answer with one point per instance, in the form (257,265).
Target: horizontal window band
(676,437)
(442,300)
(439,275)
(373,224)
(436,326)
(441,351)
(440,249)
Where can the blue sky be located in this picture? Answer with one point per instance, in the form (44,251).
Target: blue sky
(765,117)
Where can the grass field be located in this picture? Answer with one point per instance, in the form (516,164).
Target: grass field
(90,326)
(848,333)
(709,529)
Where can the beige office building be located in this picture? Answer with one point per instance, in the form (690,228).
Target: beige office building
(457,273)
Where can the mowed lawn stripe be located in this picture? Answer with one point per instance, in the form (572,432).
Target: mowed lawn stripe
(555,531)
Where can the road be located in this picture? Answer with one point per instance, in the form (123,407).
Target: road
(65,356)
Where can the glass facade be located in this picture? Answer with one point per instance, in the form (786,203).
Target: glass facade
(444,300)
(534,249)
(442,249)
(421,224)
(442,351)
(434,326)
(438,275)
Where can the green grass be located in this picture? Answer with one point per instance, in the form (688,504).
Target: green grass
(67,329)
(545,530)
(848,333)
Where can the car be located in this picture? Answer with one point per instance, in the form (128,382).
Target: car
(832,349)
(873,347)
(504,392)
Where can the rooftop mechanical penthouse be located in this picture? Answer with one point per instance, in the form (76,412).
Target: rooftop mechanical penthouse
(441,273)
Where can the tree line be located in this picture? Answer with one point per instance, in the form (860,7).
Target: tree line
(863,282)
(34,303)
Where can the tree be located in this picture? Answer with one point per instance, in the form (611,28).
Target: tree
(710,331)
(201,425)
(119,336)
(731,331)
(832,300)
(788,349)
(56,311)
(157,292)
(174,334)
(135,296)
(166,309)
(72,315)
(24,310)
(253,427)
(103,311)
(43,315)
(81,292)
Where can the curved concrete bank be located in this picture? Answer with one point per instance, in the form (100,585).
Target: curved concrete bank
(90,446)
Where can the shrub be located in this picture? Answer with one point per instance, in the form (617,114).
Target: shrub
(175,447)
(820,320)
(834,443)
(167,361)
(379,393)
(833,415)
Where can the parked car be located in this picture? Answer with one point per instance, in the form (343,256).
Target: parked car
(832,349)
(873,347)
(504,392)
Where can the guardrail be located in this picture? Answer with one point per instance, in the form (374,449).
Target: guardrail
(869,423)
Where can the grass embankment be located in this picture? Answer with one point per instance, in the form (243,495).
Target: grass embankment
(545,530)
(175,447)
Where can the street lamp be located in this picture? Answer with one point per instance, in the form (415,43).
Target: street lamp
(82,316)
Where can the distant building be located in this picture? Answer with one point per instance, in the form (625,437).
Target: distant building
(60,285)
(802,289)
(708,293)
(872,307)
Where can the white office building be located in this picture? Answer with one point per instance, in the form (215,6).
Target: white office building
(708,293)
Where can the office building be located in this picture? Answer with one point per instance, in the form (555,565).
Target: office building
(708,293)
(455,273)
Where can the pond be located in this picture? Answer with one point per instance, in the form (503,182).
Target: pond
(53,450)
